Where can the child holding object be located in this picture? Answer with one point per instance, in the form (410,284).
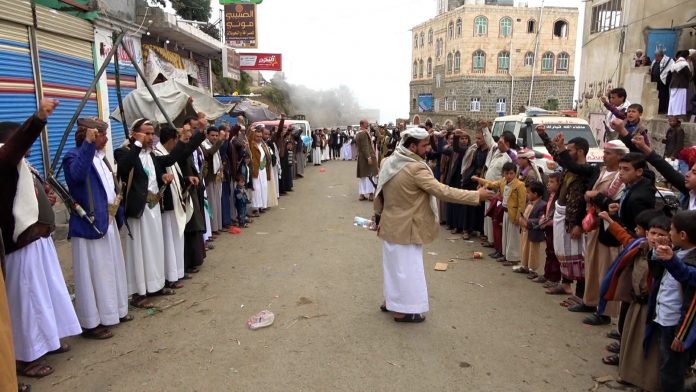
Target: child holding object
(532,237)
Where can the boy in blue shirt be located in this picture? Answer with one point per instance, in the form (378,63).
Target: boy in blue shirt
(240,200)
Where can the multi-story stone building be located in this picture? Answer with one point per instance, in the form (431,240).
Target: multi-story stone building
(477,59)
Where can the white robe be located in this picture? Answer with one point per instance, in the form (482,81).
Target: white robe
(405,290)
(316,156)
(346,152)
(145,251)
(260,195)
(39,302)
(365,187)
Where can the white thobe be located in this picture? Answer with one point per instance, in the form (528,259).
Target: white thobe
(260,195)
(145,251)
(405,290)
(101,289)
(39,302)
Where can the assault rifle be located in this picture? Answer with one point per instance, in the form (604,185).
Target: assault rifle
(69,202)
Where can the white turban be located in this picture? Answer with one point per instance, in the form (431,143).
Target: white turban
(616,145)
(416,133)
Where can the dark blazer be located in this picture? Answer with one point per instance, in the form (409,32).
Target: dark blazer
(639,197)
(208,154)
(534,232)
(675,178)
(128,159)
(80,171)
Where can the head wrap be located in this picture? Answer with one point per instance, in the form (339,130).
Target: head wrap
(526,153)
(616,145)
(92,122)
(416,133)
(139,123)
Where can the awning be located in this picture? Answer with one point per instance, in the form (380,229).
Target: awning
(253,111)
(179,100)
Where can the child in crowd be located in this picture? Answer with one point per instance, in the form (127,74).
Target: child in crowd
(552,268)
(514,199)
(241,200)
(674,301)
(627,281)
(532,234)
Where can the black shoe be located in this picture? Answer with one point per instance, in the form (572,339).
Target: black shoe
(596,319)
(495,255)
(614,334)
(410,318)
(582,308)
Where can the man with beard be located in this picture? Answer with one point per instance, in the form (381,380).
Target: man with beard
(367,162)
(213,176)
(99,271)
(194,244)
(406,208)
(473,164)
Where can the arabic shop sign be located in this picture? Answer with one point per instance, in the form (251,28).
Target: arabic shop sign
(261,61)
(240,25)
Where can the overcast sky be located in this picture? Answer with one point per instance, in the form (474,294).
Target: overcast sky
(364,44)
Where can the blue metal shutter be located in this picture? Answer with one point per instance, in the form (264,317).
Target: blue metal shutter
(17,93)
(67,71)
(128,76)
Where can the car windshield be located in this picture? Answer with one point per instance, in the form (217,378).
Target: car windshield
(301,126)
(570,131)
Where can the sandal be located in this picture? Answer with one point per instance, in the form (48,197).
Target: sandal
(582,308)
(174,285)
(193,270)
(22,387)
(520,269)
(186,277)
(549,284)
(466,236)
(98,333)
(126,318)
(539,279)
(570,301)
(64,348)
(164,291)
(410,318)
(612,360)
(532,275)
(362,198)
(383,308)
(141,302)
(614,334)
(35,369)
(508,263)
(596,319)
(557,290)
(613,347)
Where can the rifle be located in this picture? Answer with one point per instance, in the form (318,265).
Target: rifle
(69,202)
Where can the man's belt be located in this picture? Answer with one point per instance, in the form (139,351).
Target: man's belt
(33,233)
(153,199)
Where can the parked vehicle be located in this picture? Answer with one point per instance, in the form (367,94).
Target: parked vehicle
(302,125)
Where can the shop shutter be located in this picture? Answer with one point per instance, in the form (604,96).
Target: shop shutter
(67,71)
(17,93)
(16,12)
(128,76)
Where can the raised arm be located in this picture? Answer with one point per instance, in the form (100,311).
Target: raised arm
(425,181)
(182,150)
(17,145)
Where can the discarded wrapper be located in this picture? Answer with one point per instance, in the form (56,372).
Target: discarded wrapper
(478,255)
(364,223)
(261,319)
(441,266)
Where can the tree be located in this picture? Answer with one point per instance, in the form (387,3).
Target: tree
(192,9)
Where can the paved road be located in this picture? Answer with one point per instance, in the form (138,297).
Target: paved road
(322,277)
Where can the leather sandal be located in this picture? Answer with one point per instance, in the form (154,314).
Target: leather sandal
(410,318)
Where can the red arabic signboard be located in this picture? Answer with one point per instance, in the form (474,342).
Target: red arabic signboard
(240,25)
(261,61)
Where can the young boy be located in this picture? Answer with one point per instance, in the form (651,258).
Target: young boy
(514,199)
(241,200)
(627,281)
(631,127)
(616,105)
(552,268)
(674,301)
(532,235)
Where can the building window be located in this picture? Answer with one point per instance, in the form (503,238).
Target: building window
(420,69)
(415,69)
(438,48)
(430,37)
(500,106)
(450,30)
(422,40)
(414,105)
(547,62)
(449,63)
(454,105)
(459,27)
(560,29)
(503,61)
(457,61)
(563,62)
(606,16)
(430,67)
(441,6)
(438,81)
(475,104)
(531,26)
(529,59)
(479,61)
(446,104)
(505,27)
(415,41)
(436,105)
(480,26)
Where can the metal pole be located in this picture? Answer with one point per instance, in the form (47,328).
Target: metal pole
(536,53)
(117,77)
(147,84)
(56,159)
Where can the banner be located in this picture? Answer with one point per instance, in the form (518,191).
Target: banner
(425,103)
(230,63)
(240,25)
(261,61)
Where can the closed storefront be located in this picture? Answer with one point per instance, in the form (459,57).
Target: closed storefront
(127,78)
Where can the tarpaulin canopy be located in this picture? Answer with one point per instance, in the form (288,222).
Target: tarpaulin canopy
(178,99)
(253,111)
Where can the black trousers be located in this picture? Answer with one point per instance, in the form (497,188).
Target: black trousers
(673,365)
(663,97)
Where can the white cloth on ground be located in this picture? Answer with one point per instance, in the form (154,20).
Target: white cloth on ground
(99,271)
(405,289)
(38,299)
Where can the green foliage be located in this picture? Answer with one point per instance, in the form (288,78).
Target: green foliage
(551,104)
(277,96)
(212,30)
(192,9)
(243,86)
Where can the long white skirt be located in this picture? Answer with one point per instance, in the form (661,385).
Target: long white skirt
(259,197)
(365,187)
(300,161)
(677,102)
(101,287)
(173,247)
(214,191)
(487,224)
(346,152)
(316,156)
(40,306)
(325,154)
(273,188)
(511,239)
(405,290)
(145,253)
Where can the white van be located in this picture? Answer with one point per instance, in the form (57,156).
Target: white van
(523,126)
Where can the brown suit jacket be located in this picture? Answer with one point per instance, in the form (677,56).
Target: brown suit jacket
(404,205)
(256,157)
(364,144)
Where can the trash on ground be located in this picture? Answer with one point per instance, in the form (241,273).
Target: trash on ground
(364,223)
(441,266)
(261,233)
(322,170)
(478,255)
(477,284)
(261,319)
(432,253)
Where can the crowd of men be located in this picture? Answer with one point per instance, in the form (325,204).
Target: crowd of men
(172,193)
(602,236)
(675,78)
